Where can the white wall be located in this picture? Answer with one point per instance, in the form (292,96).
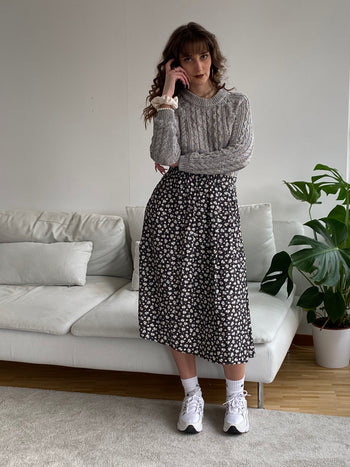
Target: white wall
(74,75)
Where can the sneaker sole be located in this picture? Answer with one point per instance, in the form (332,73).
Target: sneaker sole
(233,431)
(236,429)
(190,430)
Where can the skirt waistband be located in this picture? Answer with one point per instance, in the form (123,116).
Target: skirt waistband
(175,170)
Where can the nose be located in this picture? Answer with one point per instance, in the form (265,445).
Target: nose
(198,67)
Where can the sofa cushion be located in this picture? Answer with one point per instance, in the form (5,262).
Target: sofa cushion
(52,309)
(257,233)
(118,315)
(135,216)
(267,312)
(136,273)
(59,263)
(111,254)
(258,239)
(284,231)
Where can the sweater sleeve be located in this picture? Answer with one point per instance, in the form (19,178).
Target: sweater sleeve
(235,156)
(165,147)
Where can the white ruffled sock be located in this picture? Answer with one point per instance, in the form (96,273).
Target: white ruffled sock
(234,387)
(190,384)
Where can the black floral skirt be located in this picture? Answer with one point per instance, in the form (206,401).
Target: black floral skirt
(193,292)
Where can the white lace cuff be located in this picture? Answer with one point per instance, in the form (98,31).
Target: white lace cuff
(160,100)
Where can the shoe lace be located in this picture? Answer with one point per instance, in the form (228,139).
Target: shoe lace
(192,404)
(236,402)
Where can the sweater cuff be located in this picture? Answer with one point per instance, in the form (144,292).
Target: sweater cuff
(164,116)
(184,165)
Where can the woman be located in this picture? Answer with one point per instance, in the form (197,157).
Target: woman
(193,287)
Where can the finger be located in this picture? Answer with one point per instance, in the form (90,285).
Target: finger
(187,78)
(168,64)
(184,77)
(159,167)
(187,81)
(184,74)
(179,69)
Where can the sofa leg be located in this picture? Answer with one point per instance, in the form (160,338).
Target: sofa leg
(260,395)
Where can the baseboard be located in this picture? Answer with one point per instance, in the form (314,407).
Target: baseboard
(303,339)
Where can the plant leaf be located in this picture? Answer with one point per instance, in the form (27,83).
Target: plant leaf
(311,316)
(311,298)
(277,274)
(334,184)
(323,261)
(304,191)
(342,194)
(334,304)
(315,178)
(290,276)
(304,260)
(329,189)
(322,167)
(338,212)
(316,225)
(338,231)
(345,254)
(333,172)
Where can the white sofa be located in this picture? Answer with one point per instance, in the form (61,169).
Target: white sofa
(46,319)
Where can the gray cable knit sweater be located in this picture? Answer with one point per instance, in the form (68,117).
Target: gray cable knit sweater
(207,136)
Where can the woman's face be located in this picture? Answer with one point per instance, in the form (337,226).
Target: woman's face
(197,65)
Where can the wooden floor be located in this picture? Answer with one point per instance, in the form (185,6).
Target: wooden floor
(300,386)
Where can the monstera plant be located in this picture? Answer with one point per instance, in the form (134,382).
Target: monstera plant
(323,257)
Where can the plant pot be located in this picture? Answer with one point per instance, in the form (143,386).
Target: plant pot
(332,346)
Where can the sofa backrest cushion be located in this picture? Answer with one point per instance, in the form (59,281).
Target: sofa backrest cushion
(110,255)
(135,216)
(258,238)
(58,263)
(257,232)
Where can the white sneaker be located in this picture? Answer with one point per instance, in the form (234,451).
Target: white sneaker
(236,416)
(191,415)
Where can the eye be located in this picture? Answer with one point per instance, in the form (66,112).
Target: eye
(187,59)
(204,56)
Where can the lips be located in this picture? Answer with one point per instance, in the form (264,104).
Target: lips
(199,76)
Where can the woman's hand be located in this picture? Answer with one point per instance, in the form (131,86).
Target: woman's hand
(171,76)
(160,168)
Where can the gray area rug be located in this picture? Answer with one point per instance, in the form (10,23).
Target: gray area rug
(52,428)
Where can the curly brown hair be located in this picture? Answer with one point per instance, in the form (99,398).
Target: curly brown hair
(186,39)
